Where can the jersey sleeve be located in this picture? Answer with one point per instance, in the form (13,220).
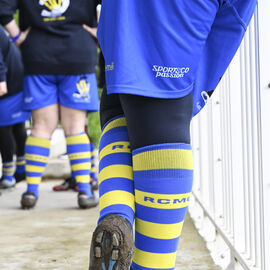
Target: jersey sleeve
(3,69)
(7,10)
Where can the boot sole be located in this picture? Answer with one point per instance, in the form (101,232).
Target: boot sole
(28,203)
(111,249)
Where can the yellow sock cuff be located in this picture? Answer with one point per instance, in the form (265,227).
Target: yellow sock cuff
(77,139)
(35,141)
(118,122)
(156,159)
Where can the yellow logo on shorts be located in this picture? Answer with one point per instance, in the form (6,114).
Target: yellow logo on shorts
(83,89)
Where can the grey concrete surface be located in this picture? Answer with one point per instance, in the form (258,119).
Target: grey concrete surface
(56,234)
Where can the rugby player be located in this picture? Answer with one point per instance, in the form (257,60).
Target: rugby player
(12,116)
(60,54)
(162,59)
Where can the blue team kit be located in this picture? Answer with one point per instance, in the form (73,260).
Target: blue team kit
(179,47)
(72,91)
(11,112)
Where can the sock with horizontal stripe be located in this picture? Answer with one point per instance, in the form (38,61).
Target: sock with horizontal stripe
(20,165)
(78,150)
(163,176)
(8,169)
(37,152)
(116,189)
(93,173)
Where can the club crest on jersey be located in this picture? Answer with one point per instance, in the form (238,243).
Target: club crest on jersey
(54,8)
(83,90)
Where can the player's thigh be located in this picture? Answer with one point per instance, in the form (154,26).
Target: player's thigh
(39,91)
(45,121)
(73,120)
(110,107)
(156,121)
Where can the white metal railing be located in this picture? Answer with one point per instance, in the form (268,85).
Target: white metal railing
(231,142)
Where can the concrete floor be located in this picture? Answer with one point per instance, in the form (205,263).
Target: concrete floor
(56,234)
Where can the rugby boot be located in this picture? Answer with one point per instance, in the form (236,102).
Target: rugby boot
(28,200)
(69,183)
(112,244)
(94,184)
(4,183)
(84,201)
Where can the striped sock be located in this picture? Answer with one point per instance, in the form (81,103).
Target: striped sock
(20,165)
(37,152)
(93,173)
(163,176)
(116,189)
(78,150)
(8,170)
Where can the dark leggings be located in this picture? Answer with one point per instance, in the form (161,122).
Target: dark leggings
(150,120)
(12,141)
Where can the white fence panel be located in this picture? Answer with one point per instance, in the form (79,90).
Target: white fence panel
(231,143)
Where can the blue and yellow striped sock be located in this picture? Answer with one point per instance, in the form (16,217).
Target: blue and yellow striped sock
(163,176)
(37,152)
(116,188)
(78,150)
(93,173)
(8,170)
(20,165)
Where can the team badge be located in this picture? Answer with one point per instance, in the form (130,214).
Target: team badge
(54,8)
(83,90)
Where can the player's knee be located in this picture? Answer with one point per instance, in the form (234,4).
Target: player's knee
(44,129)
(73,128)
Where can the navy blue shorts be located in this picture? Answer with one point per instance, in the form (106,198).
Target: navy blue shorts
(11,110)
(166,49)
(72,91)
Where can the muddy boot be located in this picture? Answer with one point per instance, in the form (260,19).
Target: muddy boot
(28,200)
(85,202)
(112,244)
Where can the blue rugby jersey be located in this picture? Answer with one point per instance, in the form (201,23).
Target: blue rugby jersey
(166,49)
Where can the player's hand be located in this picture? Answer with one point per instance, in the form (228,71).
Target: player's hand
(22,37)
(3,88)
(91,30)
